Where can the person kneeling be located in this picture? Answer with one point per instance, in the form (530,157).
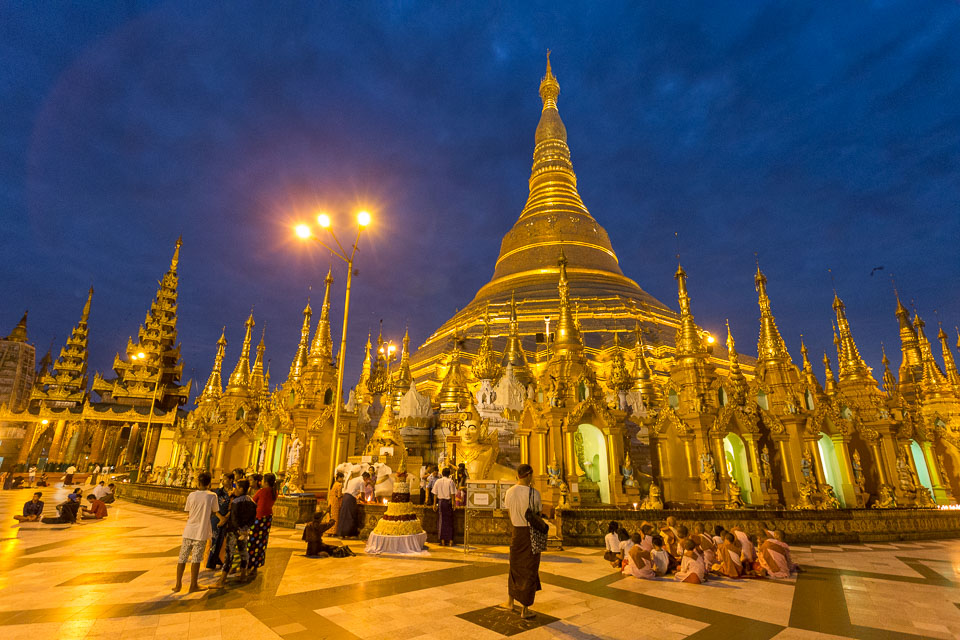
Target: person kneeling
(316,548)
(691,564)
(96,511)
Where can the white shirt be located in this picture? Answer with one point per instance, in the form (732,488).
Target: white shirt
(71,469)
(517,500)
(661,560)
(354,487)
(96,469)
(625,546)
(612,540)
(200,504)
(99,491)
(444,488)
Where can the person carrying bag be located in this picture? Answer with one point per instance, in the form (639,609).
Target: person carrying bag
(529,540)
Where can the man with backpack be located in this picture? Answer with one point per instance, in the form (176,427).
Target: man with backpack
(236,525)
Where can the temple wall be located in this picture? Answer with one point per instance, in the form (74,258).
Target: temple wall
(287,512)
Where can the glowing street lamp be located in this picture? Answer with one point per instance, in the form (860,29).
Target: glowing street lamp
(304,232)
(140,355)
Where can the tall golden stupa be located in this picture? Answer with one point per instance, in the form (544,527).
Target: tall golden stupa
(554,221)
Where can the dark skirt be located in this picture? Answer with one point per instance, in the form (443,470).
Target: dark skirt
(524,579)
(445,525)
(259,535)
(347,522)
(213,560)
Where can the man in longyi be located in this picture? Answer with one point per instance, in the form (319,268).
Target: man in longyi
(523,581)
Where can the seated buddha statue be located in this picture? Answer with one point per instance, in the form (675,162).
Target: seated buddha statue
(478,449)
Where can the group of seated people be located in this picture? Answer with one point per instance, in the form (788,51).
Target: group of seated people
(70,509)
(650,553)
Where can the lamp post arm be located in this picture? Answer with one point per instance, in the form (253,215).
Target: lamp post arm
(343,252)
(340,255)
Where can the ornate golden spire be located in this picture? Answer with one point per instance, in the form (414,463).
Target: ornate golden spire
(567,341)
(911,365)
(808,374)
(321,351)
(933,381)
(889,382)
(852,366)
(949,366)
(453,389)
(770,346)
(19,333)
(620,378)
(366,366)
(688,336)
(485,366)
(642,375)
(378,382)
(256,376)
(239,381)
(554,214)
(736,375)
(68,383)
(300,359)
(831,381)
(513,354)
(403,379)
(214,387)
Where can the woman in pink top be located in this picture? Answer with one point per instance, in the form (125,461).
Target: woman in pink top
(260,532)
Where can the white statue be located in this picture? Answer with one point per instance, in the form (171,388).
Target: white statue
(383,486)
(351,404)
(635,404)
(293,452)
(414,405)
(486,398)
(509,392)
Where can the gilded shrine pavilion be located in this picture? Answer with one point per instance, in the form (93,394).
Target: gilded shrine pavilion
(560,361)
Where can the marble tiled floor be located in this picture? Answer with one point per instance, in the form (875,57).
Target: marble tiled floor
(112,579)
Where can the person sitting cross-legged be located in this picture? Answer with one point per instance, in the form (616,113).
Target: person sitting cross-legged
(691,564)
(66,511)
(96,511)
(32,509)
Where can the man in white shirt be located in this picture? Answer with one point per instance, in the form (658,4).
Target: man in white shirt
(33,476)
(523,581)
(200,505)
(444,489)
(347,522)
(99,491)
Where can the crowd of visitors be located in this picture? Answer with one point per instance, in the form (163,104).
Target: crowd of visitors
(70,509)
(694,556)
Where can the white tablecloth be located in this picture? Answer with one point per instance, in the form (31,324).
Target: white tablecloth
(412,544)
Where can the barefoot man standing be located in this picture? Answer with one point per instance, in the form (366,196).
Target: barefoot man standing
(524,580)
(200,504)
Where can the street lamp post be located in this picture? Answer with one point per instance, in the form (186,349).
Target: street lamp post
(304,231)
(146,440)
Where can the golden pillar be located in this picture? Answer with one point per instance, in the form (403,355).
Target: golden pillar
(311,453)
(27,444)
(570,454)
(877,453)
(132,440)
(785,462)
(716,444)
(96,447)
(817,461)
(524,448)
(54,455)
(849,487)
(218,460)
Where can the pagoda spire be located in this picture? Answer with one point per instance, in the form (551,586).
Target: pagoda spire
(688,336)
(808,374)
(949,365)
(889,382)
(214,387)
(68,383)
(365,368)
(567,341)
(240,378)
(404,379)
(19,333)
(933,381)
(256,376)
(831,381)
(852,366)
(513,354)
(620,378)
(911,364)
(321,351)
(300,359)
(453,389)
(736,374)
(485,365)
(642,374)
(770,346)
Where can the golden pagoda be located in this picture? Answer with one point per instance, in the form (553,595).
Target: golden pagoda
(523,290)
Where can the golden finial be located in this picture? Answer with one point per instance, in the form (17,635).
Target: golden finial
(86,307)
(175,260)
(567,335)
(641,369)
(240,378)
(485,365)
(321,350)
(19,333)
(214,387)
(770,345)
(688,337)
(549,87)
(889,382)
(300,358)
(513,355)
(851,365)
(933,380)
(831,385)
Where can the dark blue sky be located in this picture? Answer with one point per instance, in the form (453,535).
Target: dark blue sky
(822,135)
